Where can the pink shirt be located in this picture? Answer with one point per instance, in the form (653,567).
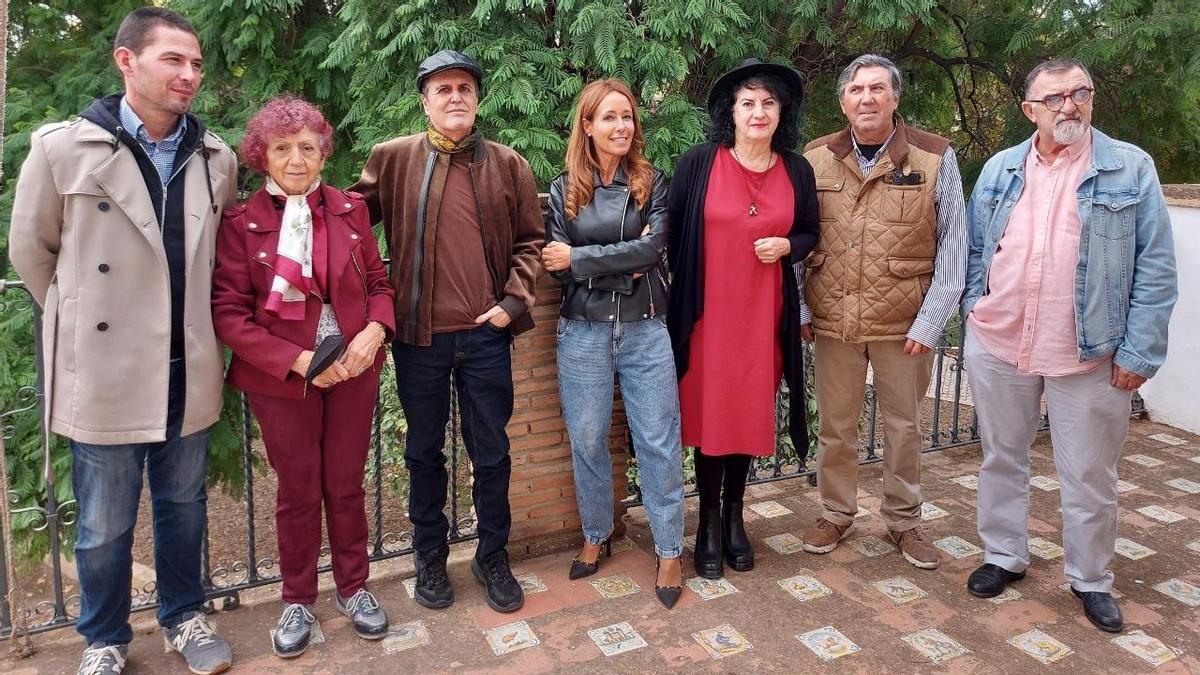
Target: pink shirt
(1027,318)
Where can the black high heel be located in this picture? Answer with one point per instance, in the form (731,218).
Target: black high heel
(580,569)
(667,595)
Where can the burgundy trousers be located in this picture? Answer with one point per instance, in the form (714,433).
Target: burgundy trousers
(318,448)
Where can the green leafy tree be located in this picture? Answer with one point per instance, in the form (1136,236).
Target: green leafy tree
(964,63)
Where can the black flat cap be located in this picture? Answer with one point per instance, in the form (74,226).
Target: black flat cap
(751,67)
(448,59)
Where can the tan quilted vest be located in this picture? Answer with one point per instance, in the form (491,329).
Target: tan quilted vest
(873,263)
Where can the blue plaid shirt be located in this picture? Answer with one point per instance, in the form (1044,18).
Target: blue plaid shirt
(162,153)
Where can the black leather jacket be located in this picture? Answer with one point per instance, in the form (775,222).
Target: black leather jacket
(607,248)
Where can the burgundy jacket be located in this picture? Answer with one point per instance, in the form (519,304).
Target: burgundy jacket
(265,346)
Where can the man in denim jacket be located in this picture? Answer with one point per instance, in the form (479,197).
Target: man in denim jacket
(1070,285)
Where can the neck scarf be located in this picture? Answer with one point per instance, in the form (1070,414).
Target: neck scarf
(447,146)
(293,261)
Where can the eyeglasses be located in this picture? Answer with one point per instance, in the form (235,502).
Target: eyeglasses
(1055,102)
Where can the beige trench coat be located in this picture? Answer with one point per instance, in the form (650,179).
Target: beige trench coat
(86,242)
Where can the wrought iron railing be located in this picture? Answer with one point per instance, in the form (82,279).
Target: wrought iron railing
(949,422)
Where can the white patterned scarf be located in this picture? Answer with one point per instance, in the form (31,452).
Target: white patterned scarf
(293,261)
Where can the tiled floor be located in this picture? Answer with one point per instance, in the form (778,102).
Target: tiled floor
(860,608)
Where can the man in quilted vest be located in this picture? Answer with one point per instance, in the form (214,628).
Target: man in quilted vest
(887,273)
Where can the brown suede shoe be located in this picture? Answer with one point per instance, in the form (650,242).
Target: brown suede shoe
(823,536)
(916,549)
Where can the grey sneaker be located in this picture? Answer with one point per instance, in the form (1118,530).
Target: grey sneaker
(293,631)
(197,640)
(370,621)
(108,660)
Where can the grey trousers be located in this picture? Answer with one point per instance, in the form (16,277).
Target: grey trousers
(1089,419)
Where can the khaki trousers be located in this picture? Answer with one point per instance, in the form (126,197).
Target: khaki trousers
(900,385)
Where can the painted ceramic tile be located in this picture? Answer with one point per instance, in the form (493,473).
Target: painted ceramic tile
(1044,483)
(1131,549)
(709,589)
(1008,595)
(410,586)
(1168,439)
(786,543)
(1194,546)
(1181,591)
(616,586)
(1160,514)
(828,643)
(316,635)
(969,481)
(871,546)
(957,547)
(624,544)
(404,636)
(1044,548)
(511,637)
(770,509)
(935,645)
(1124,486)
(804,588)
(1189,486)
(1040,646)
(1066,588)
(722,641)
(690,542)
(899,590)
(531,583)
(616,639)
(931,511)
(1149,649)
(1145,460)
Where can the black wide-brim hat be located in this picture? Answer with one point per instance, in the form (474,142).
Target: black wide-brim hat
(448,59)
(751,67)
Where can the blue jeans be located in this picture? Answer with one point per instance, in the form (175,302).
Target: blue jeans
(481,362)
(108,486)
(590,353)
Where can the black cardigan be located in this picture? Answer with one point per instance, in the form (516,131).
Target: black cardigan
(685,252)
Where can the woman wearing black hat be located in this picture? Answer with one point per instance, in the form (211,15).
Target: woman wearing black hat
(742,209)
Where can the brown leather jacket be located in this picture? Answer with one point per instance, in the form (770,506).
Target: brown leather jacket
(402,184)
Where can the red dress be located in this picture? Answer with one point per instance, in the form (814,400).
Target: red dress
(727,396)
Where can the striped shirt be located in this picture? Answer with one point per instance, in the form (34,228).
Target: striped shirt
(162,153)
(950,265)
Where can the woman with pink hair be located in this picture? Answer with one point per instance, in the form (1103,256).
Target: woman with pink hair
(301,297)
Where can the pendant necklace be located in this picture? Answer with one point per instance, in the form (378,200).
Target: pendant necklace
(746,177)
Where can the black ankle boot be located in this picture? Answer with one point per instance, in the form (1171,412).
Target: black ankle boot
(738,552)
(708,543)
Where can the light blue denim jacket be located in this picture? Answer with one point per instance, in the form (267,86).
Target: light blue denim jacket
(1125,285)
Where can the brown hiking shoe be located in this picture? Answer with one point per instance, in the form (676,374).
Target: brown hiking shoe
(916,549)
(823,536)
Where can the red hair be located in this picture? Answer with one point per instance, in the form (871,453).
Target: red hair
(581,157)
(282,115)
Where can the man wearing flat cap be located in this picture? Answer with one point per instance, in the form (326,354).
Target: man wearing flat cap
(464,230)
(887,273)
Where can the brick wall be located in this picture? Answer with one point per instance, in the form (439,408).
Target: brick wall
(542,491)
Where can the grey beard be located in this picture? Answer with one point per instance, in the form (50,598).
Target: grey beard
(1069,132)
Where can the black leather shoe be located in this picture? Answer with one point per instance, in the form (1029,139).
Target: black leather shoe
(989,580)
(736,544)
(1101,609)
(580,569)
(667,595)
(707,555)
(433,588)
(504,593)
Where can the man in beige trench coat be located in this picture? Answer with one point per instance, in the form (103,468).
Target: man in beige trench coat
(113,232)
